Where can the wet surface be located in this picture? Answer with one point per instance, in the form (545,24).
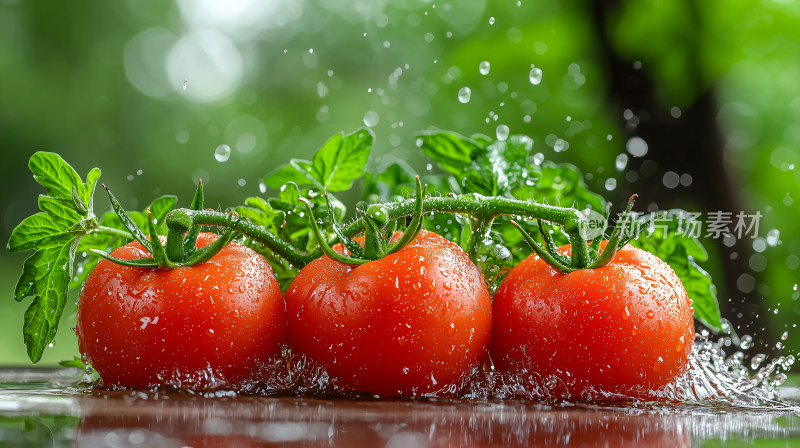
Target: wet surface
(44,408)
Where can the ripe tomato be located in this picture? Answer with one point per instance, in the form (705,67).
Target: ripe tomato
(411,323)
(212,325)
(623,329)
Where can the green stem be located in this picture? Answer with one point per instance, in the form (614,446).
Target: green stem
(113,232)
(253,231)
(473,205)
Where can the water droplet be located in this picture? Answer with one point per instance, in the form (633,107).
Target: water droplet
(746,342)
(491,22)
(371,118)
(560,145)
(757,360)
(621,162)
(535,75)
(185,83)
(222,153)
(773,237)
(659,364)
(785,336)
(484,67)
(611,184)
(636,146)
(502,132)
(464,95)
(322,90)
(538,158)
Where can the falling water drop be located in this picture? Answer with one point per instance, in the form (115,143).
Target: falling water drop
(484,67)
(502,132)
(621,162)
(222,153)
(371,118)
(464,95)
(535,75)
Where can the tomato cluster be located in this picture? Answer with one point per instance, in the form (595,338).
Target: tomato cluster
(418,321)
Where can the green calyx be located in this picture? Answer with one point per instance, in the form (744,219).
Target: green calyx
(585,255)
(182,232)
(378,231)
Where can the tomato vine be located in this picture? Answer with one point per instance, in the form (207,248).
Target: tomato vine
(483,182)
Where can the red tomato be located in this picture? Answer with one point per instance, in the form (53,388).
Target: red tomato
(623,329)
(212,325)
(410,323)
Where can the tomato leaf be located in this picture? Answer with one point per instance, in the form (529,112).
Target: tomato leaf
(298,171)
(508,168)
(342,159)
(339,162)
(393,182)
(669,236)
(54,234)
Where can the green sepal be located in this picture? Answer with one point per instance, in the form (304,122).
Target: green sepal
(126,221)
(206,253)
(157,248)
(190,242)
(137,263)
(351,245)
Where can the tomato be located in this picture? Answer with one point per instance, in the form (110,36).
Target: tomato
(625,329)
(414,322)
(212,325)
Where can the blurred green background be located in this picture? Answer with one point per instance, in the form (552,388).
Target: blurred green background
(689,104)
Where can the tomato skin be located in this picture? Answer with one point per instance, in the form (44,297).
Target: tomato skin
(407,324)
(212,325)
(622,330)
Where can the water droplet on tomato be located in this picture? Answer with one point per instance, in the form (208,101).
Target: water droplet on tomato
(626,312)
(659,364)
(650,314)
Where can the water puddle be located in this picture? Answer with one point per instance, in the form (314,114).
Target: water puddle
(724,398)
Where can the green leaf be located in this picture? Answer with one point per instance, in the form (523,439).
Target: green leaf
(55,233)
(452,152)
(342,159)
(35,330)
(86,191)
(669,236)
(59,209)
(391,183)
(159,209)
(75,362)
(559,184)
(289,194)
(297,170)
(55,174)
(46,277)
(335,166)
(33,230)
